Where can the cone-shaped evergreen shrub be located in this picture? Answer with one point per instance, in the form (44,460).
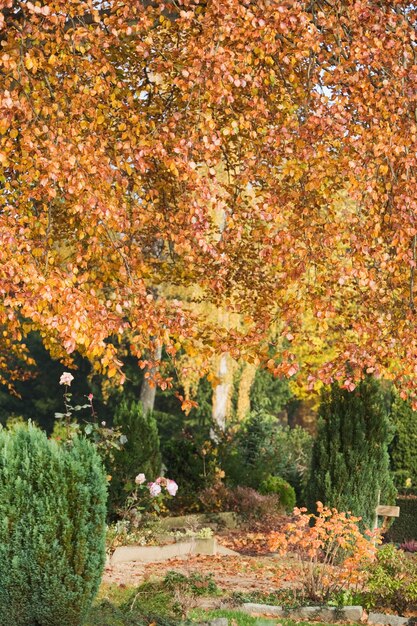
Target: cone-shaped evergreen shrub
(350,463)
(52,528)
(140,454)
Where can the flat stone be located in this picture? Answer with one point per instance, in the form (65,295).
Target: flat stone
(153,554)
(263,609)
(219,621)
(316,612)
(352,613)
(386,618)
(323,613)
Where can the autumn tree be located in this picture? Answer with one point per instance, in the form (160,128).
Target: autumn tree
(264,152)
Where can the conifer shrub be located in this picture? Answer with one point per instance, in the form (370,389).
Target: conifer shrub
(52,528)
(350,462)
(403,449)
(140,453)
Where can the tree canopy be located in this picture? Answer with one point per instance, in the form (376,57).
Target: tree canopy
(261,155)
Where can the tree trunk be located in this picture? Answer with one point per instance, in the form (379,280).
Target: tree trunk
(221,394)
(148,391)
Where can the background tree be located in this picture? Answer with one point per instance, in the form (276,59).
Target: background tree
(403,448)
(140,453)
(128,129)
(350,463)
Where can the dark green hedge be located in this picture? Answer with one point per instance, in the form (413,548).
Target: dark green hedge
(405,526)
(52,528)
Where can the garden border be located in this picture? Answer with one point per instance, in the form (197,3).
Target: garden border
(327,614)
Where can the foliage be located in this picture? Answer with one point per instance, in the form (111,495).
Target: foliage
(125,532)
(171,597)
(140,452)
(239,618)
(280,487)
(261,446)
(254,509)
(39,392)
(404,527)
(192,459)
(332,552)
(409,546)
(403,448)
(197,584)
(274,194)
(137,522)
(52,529)
(350,464)
(287,598)
(106,440)
(393,580)
(269,394)
(203,533)
(121,606)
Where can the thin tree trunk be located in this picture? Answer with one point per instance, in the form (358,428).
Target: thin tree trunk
(221,394)
(147,391)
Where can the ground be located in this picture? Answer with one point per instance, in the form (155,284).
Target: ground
(253,569)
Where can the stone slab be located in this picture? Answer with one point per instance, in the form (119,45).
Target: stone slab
(323,613)
(219,621)
(352,613)
(216,521)
(153,554)
(263,609)
(386,618)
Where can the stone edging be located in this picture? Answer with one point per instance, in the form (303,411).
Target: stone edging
(326,613)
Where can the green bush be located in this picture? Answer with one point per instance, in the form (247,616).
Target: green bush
(350,463)
(262,447)
(280,487)
(393,580)
(52,528)
(403,449)
(404,527)
(140,454)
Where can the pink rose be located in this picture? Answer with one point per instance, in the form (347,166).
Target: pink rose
(171,487)
(154,489)
(66,379)
(140,479)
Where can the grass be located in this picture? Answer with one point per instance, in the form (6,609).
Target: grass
(169,602)
(163,602)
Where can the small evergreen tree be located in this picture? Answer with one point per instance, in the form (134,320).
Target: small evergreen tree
(52,528)
(140,454)
(403,449)
(350,463)
(262,447)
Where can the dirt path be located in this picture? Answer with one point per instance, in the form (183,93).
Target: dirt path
(237,573)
